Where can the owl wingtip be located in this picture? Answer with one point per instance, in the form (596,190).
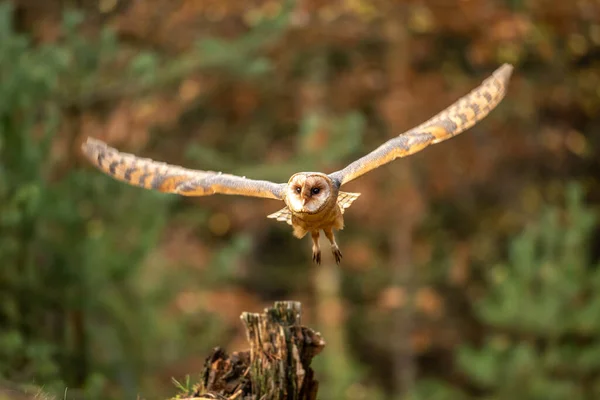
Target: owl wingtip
(504,72)
(90,145)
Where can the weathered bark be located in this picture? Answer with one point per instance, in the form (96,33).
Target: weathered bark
(277,366)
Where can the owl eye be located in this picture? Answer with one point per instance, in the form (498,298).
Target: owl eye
(298,190)
(315,190)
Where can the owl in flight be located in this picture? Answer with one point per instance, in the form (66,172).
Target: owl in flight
(313,200)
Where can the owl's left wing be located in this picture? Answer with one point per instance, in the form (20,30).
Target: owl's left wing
(457,118)
(150,174)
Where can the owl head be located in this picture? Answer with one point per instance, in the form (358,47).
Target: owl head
(308,192)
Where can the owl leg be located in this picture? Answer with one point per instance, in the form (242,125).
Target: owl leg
(315,248)
(334,247)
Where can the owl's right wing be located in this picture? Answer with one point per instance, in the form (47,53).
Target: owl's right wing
(150,174)
(457,118)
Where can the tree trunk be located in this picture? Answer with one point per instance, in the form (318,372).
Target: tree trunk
(277,366)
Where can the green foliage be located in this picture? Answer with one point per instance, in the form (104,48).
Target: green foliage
(434,390)
(73,310)
(185,389)
(547,274)
(97,73)
(241,56)
(345,137)
(542,309)
(66,292)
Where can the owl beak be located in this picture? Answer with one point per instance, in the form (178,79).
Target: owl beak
(304,200)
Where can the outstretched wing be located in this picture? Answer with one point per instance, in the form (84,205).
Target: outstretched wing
(149,174)
(455,119)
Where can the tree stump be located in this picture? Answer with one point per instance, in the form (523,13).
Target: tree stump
(277,366)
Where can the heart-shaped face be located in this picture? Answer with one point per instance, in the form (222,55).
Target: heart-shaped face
(308,192)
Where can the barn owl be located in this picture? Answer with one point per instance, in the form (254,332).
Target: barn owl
(313,200)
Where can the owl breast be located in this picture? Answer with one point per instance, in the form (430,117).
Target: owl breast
(329,217)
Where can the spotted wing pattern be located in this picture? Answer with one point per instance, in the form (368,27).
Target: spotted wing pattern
(457,118)
(149,174)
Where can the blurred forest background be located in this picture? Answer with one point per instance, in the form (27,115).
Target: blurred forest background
(470,269)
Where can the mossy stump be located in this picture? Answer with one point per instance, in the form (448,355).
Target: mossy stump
(277,366)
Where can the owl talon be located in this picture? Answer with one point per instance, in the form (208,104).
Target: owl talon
(338,255)
(317,257)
